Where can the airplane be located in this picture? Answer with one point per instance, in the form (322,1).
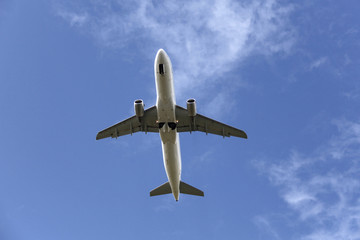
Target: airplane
(169,119)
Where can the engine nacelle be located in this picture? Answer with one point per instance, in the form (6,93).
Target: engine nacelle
(191,107)
(139,108)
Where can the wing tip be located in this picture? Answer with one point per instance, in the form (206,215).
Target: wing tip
(245,136)
(98,136)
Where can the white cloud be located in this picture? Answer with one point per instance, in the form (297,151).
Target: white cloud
(219,103)
(353,94)
(264,225)
(317,63)
(75,19)
(323,188)
(205,39)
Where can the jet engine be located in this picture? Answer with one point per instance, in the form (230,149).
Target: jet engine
(139,108)
(191,107)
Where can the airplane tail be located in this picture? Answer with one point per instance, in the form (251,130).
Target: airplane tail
(163,189)
(187,189)
(184,188)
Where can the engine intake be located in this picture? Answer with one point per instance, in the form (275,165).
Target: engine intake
(191,107)
(139,108)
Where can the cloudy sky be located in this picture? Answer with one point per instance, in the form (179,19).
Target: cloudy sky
(286,72)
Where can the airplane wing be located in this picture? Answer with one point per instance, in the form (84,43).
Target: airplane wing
(204,124)
(132,125)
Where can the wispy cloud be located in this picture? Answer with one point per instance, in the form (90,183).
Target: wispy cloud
(353,94)
(265,228)
(318,62)
(204,39)
(167,204)
(323,188)
(74,19)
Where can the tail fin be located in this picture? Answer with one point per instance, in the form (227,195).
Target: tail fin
(187,189)
(184,188)
(163,189)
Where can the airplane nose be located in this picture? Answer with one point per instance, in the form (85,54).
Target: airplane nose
(161,52)
(162,62)
(161,55)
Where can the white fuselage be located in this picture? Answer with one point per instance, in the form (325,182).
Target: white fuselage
(165,105)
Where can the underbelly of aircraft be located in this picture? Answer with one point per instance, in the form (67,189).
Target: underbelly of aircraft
(172,157)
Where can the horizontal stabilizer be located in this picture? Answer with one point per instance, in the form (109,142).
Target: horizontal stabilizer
(187,189)
(163,189)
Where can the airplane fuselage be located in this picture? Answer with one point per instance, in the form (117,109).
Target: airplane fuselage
(169,119)
(165,105)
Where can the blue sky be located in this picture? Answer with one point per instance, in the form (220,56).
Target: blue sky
(285,72)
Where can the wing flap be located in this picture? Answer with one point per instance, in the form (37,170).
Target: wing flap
(132,125)
(204,124)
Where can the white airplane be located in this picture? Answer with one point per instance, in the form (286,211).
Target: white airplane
(169,119)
